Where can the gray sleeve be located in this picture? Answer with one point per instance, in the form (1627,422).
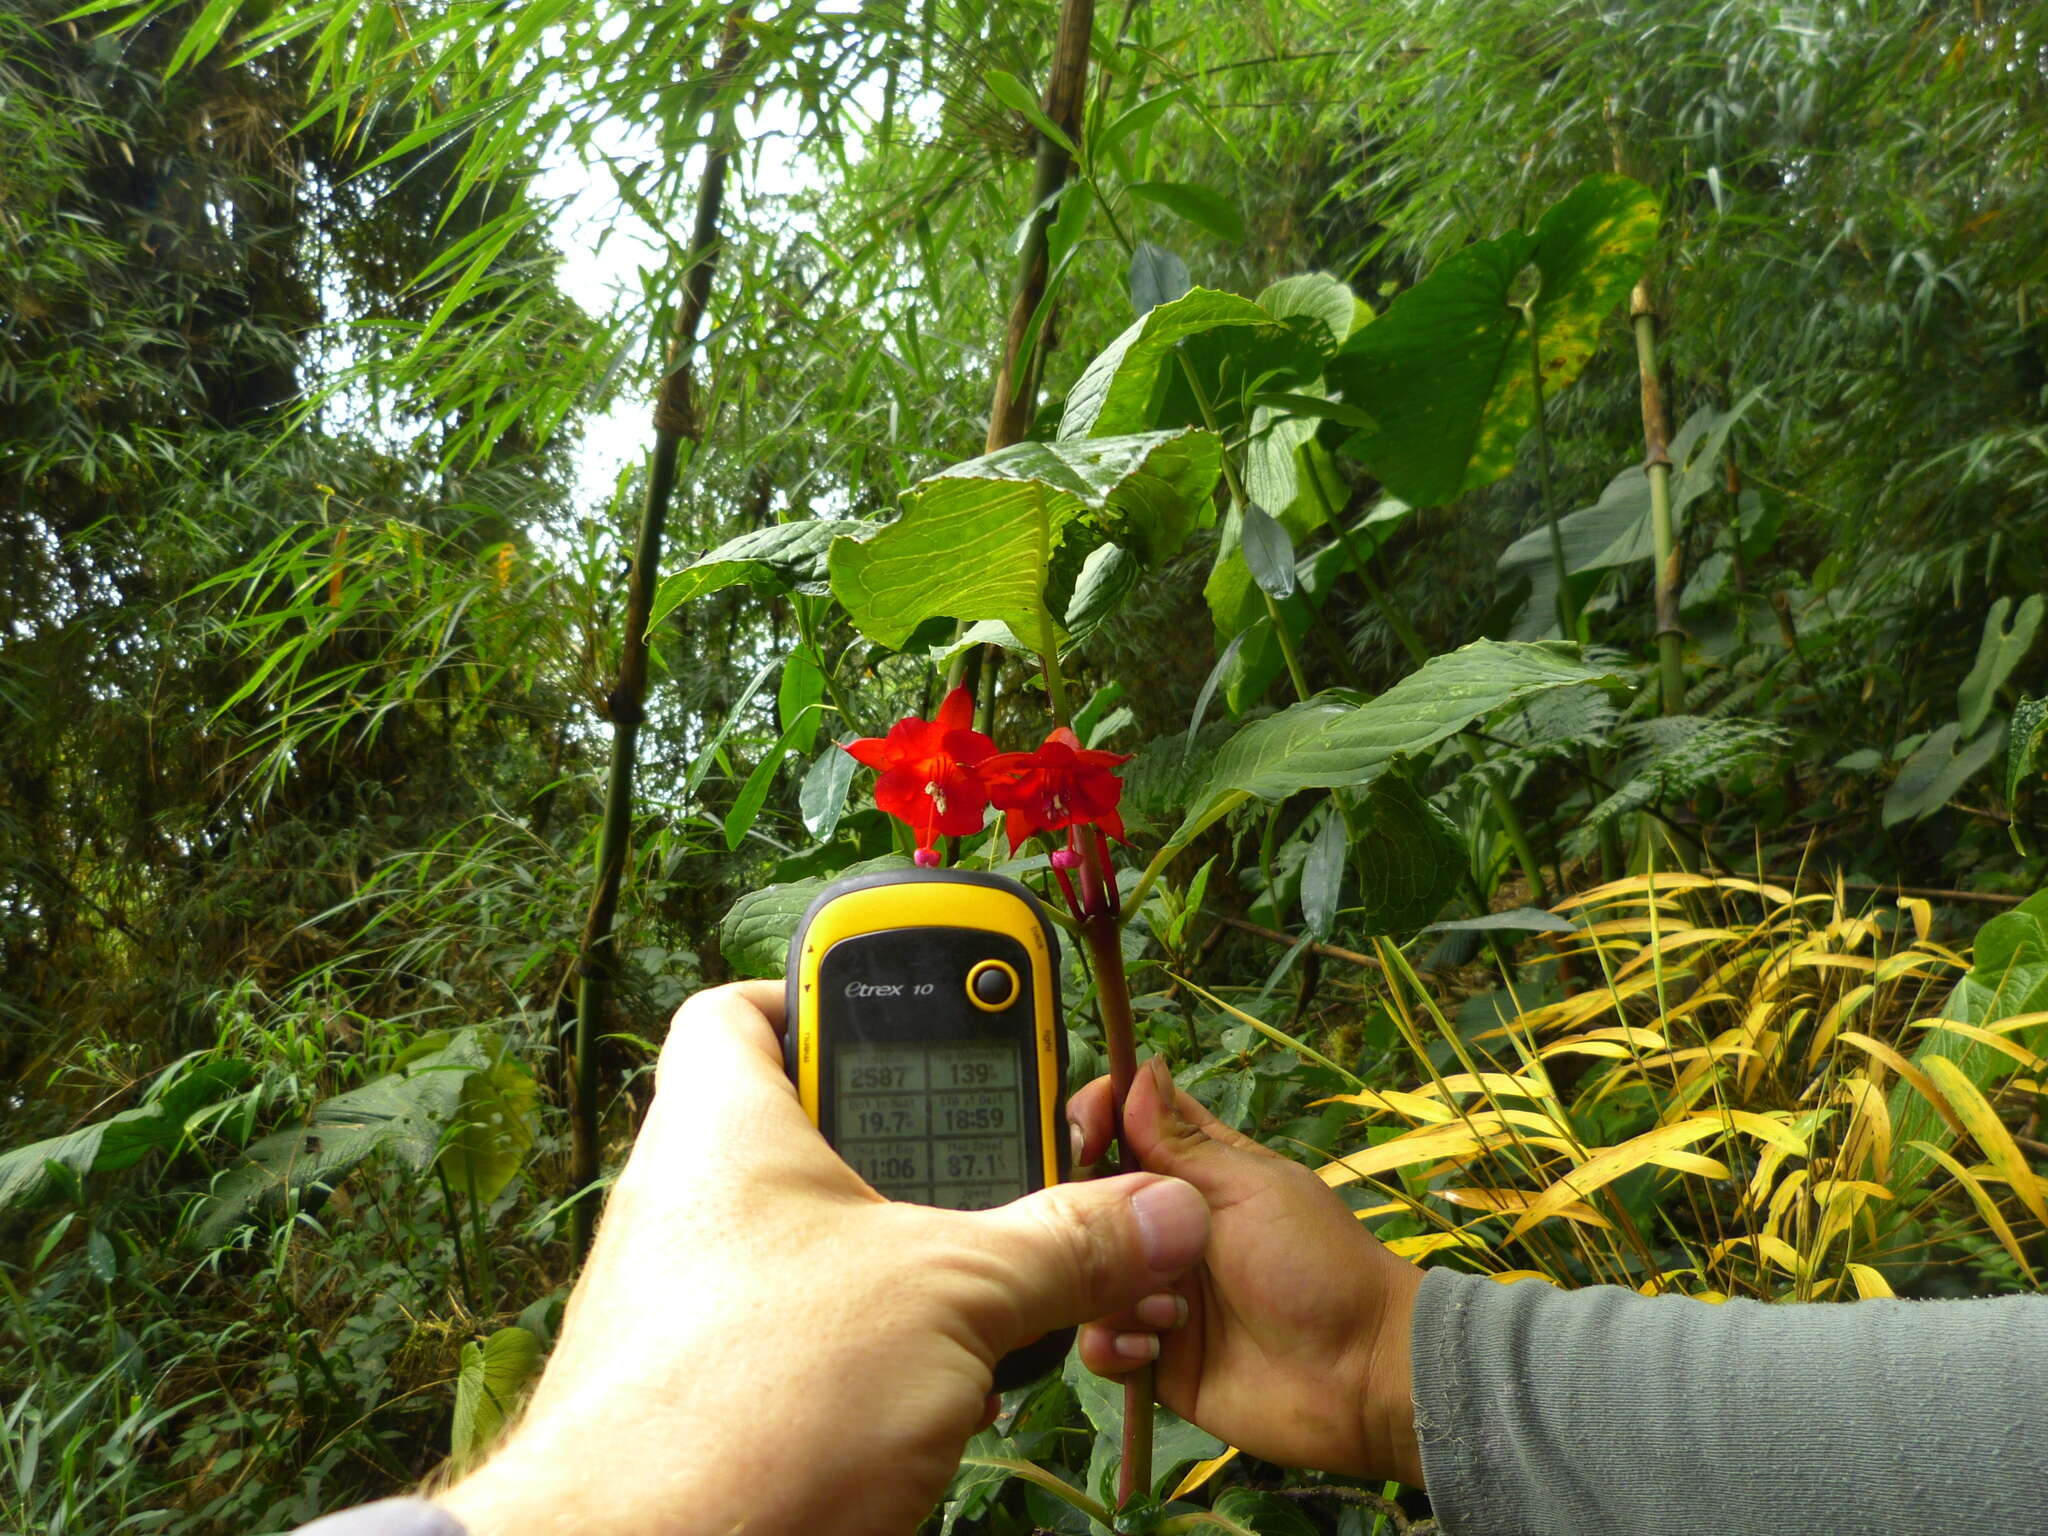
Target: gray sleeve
(387,1517)
(1597,1412)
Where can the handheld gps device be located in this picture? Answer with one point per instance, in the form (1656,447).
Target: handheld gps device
(924,1037)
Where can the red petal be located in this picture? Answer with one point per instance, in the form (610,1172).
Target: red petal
(957,712)
(874,751)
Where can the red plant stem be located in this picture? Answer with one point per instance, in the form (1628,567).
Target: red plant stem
(1104,938)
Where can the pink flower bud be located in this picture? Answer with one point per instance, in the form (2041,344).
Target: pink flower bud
(926,858)
(1064,858)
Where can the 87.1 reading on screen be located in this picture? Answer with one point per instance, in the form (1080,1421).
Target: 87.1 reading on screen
(936,1125)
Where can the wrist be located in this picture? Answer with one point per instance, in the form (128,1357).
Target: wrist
(1387,1394)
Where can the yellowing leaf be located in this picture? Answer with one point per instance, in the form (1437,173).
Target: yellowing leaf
(1993,1037)
(1200,1473)
(1432,1242)
(1510,1276)
(1497,1083)
(1986,1206)
(1774,1250)
(1870,1284)
(1605,1167)
(1770,1128)
(1393,1101)
(1504,1201)
(1912,1074)
(1693,1163)
(1988,1131)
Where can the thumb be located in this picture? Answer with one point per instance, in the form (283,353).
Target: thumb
(1076,1252)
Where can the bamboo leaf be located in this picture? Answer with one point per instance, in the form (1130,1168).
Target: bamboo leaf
(1201,206)
(1604,1167)
(1018,96)
(1989,1132)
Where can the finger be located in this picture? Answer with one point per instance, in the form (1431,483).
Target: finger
(1080,1251)
(991,1410)
(1174,1135)
(1160,1312)
(1092,1112)
(721,1093)
(1110,1351)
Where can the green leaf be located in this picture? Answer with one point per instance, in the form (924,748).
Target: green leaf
(2024,765)
(1200,206)
(101,1258)
(977,541)
(709,754)
(404,1113)
(1322,300)
(1999,650)
(1411,856)
(1445,372)
(1513,920)
(1322,876)
(1157,276)
(1134,120)
(746,807)
(754,938)
(1120,391)
(788,557)
(495,1120)
(1937,770)
(32,1173)
(1268,552)
(1016,95)
(799,697)
(1108,576)
(1615,531)
(493,1377)
(1329,742)
(1266,1513)
(822,797)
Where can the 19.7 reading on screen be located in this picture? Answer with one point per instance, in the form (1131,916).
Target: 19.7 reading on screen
(938,1125)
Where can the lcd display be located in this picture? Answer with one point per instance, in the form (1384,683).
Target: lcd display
(935,1124)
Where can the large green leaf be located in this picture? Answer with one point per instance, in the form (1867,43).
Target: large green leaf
(1616,530)
(403,1112)
(1121,390)
(1999,649)
(2026,759)
(1938,768)
(1445,373)
(1411,857)
(122,1140)
(789,557)
(493,1377)
(978,541)
(1329,742)
(1322,301)
(493,1130)
(754,937)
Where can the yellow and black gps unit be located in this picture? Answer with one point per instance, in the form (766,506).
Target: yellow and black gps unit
(925,1040)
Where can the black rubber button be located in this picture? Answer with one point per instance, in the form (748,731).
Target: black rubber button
(993,984)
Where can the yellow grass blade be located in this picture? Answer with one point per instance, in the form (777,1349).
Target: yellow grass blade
(1604,1167)
(1870,1121)
(1200,1473)
(1510,1276)
(1432,1242)
(1503,1201)
(1993,1037)
(1870,1284)
(1774,1250)
(1986,1206)
(1693,1163)
(1912,1074)
(1989,1132)
(1394,1101)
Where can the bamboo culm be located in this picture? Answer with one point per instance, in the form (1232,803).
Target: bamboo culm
(675,422)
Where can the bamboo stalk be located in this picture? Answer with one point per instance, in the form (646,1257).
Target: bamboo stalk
(675,422)
(1657,464)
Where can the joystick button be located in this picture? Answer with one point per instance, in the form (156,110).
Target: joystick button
(992,985)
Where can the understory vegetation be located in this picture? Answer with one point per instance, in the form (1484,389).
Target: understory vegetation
(1550,500)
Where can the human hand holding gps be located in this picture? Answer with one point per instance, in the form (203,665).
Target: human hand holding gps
(762,1340)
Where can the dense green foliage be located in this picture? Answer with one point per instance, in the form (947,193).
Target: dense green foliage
(311,623)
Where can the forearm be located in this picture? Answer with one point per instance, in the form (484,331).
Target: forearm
(1587,1412)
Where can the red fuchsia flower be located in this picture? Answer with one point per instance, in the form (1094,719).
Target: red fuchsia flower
(1063,785)
(930,772)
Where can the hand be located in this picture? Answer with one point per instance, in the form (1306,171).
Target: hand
(1290,1339)
(761,1342)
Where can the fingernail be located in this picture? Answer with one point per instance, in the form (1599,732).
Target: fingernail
(1173,1223)
(1163,1309)
(1137,1346)
(1075,1142)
